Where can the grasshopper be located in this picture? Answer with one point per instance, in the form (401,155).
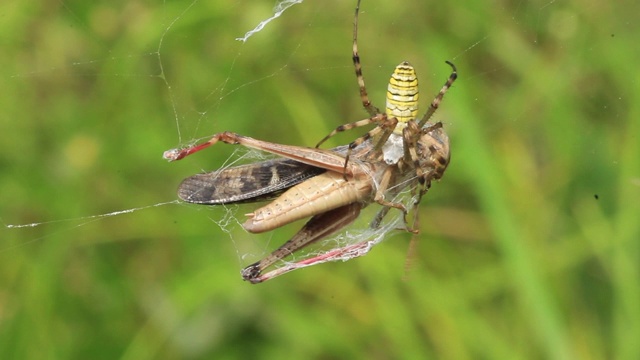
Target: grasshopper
(332,186)
(315,183)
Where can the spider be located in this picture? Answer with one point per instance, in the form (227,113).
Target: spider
(397,128)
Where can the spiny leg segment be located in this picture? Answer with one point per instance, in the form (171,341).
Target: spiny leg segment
(436,101)
(372,110)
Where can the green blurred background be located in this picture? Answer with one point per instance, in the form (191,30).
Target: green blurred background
(529,246)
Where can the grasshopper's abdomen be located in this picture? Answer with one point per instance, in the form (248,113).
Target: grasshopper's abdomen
(317,195)
(402,95)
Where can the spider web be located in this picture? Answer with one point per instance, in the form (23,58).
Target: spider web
(94,139)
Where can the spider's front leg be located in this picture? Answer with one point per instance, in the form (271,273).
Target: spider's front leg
(436,101)
(364,97)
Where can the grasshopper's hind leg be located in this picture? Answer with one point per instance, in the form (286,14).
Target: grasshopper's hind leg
(317,228)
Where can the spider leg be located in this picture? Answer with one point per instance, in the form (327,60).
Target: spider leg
(426,169)
(372,110)
(429,129)
(384,128)
(436,101)
(424,173)
(376,119)
(415,227)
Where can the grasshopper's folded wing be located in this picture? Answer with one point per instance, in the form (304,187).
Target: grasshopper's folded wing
(246,183)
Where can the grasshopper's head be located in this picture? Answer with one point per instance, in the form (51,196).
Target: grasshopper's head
(433,150)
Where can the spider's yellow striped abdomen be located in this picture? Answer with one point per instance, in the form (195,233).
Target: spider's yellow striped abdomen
(402,95)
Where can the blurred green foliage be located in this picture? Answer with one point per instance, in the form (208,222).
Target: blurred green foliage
(529,246)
